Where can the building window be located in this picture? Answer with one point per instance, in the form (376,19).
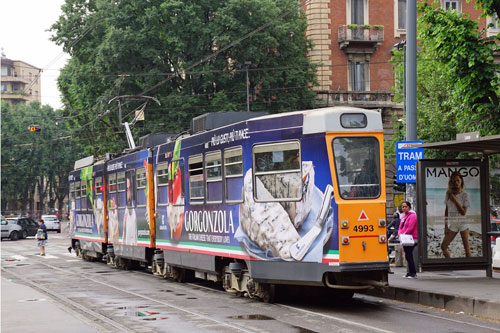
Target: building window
(451,5)
(4,87)
(4,71)
(401,17)
(496,23)
(359,75)
(358,10)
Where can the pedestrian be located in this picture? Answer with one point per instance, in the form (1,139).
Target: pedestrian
(41,236)
(408,226)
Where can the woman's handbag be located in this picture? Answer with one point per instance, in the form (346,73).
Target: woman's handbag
(406,240)
(40,235)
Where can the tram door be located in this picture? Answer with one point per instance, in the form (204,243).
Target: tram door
(358,175)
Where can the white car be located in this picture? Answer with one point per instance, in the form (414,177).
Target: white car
(11,230)
(52,222)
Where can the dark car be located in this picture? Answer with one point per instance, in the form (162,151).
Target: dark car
(29,227)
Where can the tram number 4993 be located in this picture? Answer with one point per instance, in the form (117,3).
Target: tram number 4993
(363,228)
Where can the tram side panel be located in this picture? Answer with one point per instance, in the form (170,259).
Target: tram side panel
(212,208)
(87,209)
(128,223)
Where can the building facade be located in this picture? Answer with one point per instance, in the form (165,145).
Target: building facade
(20,81)
(353,43)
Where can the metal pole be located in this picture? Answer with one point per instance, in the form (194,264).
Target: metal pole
(248,101)
(404,84)
(411,90)
(247,65)
(411,68)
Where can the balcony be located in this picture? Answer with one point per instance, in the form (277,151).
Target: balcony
(357,98)
(366,38)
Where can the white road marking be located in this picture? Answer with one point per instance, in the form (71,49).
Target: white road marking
(349,322)
(48,256)
(19,257)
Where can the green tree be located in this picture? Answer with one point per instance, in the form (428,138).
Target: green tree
(457,81)
(33,160)
(154,48)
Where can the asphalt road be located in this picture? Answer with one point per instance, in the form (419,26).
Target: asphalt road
(111,300)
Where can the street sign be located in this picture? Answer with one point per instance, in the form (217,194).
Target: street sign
(406,161)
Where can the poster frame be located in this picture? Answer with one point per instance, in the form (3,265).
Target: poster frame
(461,263)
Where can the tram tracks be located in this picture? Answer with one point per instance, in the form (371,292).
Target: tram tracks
(88,275)
(105,321)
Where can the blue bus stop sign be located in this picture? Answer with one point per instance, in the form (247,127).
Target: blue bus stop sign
(406,161)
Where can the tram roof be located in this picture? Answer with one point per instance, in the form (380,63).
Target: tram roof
(487,145)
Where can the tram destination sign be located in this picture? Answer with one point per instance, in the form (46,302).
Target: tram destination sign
(406,161)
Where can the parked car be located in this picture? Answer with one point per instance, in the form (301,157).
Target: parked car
(10,229)
(29,227)
(52,222)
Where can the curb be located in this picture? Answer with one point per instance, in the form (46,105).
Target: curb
(454,303)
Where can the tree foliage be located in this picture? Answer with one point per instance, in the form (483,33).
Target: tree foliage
(153,48)
(34,159)
(457,81)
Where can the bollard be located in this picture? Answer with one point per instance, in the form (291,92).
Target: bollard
(399,259)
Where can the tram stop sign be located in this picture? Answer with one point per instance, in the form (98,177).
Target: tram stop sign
(406,161)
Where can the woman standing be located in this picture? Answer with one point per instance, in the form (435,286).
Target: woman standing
(408,226)
(41,236)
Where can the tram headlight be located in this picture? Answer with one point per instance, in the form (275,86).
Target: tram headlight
(382,239)
(344,224)
(345,240)
(381,223)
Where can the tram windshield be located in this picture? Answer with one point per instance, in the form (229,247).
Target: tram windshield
(357,165)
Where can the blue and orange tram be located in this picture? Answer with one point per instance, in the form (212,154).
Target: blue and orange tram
(293,198)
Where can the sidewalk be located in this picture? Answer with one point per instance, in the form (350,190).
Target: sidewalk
(25,309)
(468,291)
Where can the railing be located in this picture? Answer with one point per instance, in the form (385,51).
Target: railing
(361,98)
(365,33)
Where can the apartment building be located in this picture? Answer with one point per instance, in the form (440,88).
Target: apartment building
(20,81)
(353,42)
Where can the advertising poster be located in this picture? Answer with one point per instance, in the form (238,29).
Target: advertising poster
(453,211)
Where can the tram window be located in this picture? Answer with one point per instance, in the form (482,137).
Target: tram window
(112,183)
(195,169)
(120,181)
(277,166)
(162,174)
(162,183)
(83,196)
(357,165)
(353,120)
(140,178)
(233,174)
(213,167)
(121,187)
(77,190)
(71,191)
(98,185)
(176,188)
(130,195)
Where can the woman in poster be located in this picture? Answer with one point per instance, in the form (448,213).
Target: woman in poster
(456,201)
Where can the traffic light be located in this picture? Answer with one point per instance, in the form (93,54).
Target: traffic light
(399,187)
(34,128)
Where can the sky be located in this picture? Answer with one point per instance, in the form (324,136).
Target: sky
(24,36)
